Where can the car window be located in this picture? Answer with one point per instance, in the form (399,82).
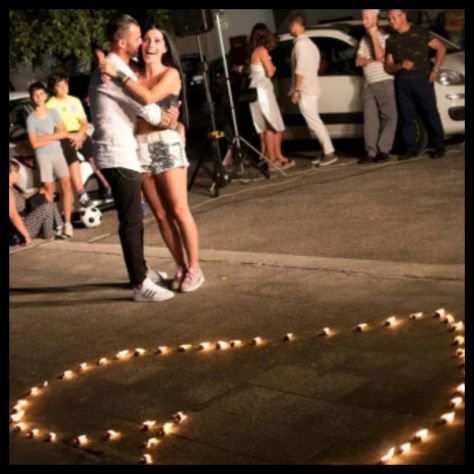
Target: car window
(19,111)
(337,58)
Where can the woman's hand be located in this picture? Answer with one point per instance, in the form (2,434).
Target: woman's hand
(107,69)
(28,239)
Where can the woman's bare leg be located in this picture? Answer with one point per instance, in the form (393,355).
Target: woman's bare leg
(164,219)
(173,185)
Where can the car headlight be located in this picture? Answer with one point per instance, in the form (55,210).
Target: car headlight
(448,77)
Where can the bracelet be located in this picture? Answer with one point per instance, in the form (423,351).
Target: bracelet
(123,78)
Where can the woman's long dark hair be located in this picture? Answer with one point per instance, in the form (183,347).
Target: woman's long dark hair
(261,36)
(171,59)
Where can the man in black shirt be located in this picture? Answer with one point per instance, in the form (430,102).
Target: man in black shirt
(408,57)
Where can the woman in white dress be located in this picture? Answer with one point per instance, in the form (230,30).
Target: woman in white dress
(265,111)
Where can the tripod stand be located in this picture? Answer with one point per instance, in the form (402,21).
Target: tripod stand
(218,175)
(238,140)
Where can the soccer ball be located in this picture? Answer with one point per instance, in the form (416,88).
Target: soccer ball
(91,217)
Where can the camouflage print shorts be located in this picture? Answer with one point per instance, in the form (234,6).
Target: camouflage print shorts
(162,151)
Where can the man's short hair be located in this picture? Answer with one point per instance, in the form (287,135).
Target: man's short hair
(35,87)
(403,10)
(373,11)
(118,26)
(297,18)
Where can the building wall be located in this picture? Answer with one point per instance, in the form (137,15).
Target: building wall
(234,23)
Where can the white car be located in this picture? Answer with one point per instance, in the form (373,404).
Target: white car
(341,84)
(19,149)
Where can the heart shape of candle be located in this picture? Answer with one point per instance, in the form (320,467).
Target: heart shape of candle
(156,430)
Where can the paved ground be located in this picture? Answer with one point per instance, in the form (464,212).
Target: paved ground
(318,248)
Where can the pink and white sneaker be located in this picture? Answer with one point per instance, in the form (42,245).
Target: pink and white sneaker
(178,278)
(192,281)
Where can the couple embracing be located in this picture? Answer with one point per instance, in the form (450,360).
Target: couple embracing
(140,147)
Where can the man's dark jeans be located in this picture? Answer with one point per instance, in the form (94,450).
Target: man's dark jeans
(415,93)
(126,190)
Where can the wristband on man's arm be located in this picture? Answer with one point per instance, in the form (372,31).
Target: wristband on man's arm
(122,77)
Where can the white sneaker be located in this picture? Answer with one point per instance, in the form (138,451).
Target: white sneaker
(68,230)
(148,292)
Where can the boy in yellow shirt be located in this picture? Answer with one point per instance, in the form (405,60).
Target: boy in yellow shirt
(74,117)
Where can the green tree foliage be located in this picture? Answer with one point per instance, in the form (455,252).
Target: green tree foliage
(62,34)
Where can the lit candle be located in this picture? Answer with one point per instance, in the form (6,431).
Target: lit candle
(35,391)
(67,375)
(222,345)
(448,418)
(162,350)
(461,353)
(20,404)
(290,337)
(113,435)
(185,347)
(167,429)
(52,437)
(104,361)
(389,455)
(405,448)
(236,343)
(362,327)
(84,366)
(455,402)
(148,425)
(139,352)
(458,340)
(449,319)
(257,341)
(325,332)
(440,313)
(17,416)
(458,327)
(152,443)
(460,389)
(34,433)
(45,384)
(205,346)
(415,316)
(179,417)
(146,459)
(81,440)
(122,355)
(21,427)
(421,435)
(389,322)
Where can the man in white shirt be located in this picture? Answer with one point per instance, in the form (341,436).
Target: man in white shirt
(305,89)
(380,105)
(114,115)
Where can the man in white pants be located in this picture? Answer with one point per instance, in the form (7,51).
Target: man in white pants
(305,89)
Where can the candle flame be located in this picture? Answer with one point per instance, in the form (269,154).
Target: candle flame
(148,425)
(152,443)
(290,337)
(421,435)
(179,417)
(414,316)
(449,319)
(84,366)
(45,384)
(461,353)
(21,404)
(405,448)
(167,428)
(223,345)
(448,418)
(185,347)
(389,455)
(205,346)
(163,350)
(440,313)
(139,352)
(34,433)
(455,402)
(325,332)
(35,391)
(125,354)
(147,459)
(389,322)
(459,340)
(104,361)
(362,327)
(17,416)
(458,327)
(21,427)
(67,375)
(257,341)
(113,435)
(82,440)
(52,437)
(460,389)
(236,343)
